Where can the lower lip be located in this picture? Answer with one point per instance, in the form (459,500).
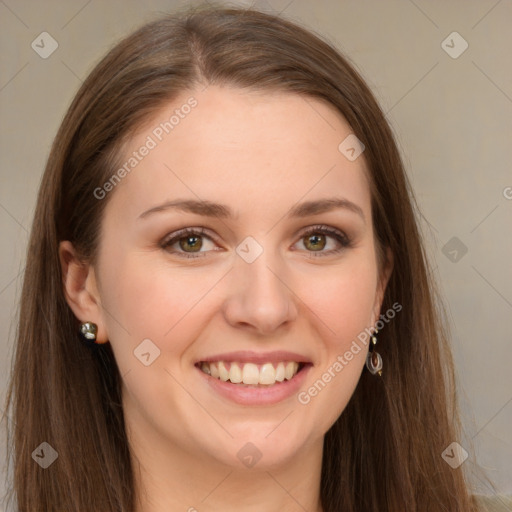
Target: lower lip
(245,395)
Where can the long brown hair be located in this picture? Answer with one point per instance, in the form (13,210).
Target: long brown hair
(384,451)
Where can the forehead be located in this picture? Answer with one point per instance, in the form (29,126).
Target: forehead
(249,149)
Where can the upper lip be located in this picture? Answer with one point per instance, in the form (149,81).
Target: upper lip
(248,356)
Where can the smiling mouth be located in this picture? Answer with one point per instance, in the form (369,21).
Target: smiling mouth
(250,374)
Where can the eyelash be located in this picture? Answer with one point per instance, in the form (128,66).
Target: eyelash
(339,236)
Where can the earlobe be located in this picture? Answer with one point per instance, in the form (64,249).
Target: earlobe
(80,290)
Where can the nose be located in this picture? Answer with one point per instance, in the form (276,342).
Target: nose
(260,298)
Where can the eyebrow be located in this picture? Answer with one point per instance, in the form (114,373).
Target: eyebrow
(221,211)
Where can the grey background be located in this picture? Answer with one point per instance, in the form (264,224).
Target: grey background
(452,118)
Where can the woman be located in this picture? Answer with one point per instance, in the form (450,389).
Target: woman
(227,302)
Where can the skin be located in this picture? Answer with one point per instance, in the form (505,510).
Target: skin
(259,154)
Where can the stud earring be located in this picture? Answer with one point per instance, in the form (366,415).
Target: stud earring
(373,358)
(88,332)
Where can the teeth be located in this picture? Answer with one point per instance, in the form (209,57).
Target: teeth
(223,373)
(250,373)
(214,370)
(267,374)
(290,370)
(235,374)
(280,372)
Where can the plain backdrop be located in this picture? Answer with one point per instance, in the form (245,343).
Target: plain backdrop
(449,105)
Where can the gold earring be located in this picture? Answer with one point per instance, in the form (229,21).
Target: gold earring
(373,358)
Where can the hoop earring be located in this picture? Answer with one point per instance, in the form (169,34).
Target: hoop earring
(88,331)
(373,358)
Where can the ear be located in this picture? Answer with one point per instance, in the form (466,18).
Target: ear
(385,274)
(80,289)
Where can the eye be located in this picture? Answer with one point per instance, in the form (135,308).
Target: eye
(315,239)
(189,240)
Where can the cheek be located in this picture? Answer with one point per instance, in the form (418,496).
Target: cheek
(342,298)
(145,298)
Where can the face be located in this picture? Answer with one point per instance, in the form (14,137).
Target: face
(271,270)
